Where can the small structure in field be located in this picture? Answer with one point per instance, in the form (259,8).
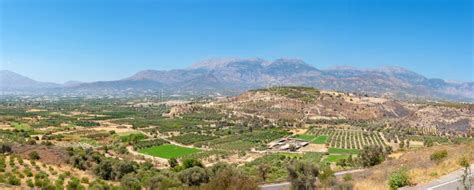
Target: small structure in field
(287,144)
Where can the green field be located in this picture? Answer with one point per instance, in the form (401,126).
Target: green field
(132,136)
(343,151)
(321,139)
(312,156)
(21,126)
(335,157)
(168,151)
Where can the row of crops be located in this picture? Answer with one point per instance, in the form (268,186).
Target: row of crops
(348,139)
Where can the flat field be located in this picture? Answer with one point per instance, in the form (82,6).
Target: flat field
(168,151)
(343,151)
(321,139)
(22,126)
(336,157)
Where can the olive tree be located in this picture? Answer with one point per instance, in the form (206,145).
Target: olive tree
(302,175)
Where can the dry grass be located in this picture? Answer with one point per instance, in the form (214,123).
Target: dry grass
(48,155)
(421,168)
(298,131)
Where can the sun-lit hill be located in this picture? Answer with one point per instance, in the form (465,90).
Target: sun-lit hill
(421,168)
(310,105)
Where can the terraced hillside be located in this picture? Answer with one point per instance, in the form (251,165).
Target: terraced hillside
(300,105)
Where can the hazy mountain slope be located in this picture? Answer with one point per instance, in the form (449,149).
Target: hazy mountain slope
(398,82)
(121,85)
(255,73)
(72,83)
(13,81)
(238,75)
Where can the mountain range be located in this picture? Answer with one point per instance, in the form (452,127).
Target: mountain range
(231,76)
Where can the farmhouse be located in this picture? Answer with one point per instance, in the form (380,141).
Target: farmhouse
(287,143)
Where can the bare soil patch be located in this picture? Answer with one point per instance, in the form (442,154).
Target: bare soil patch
(314,148)
(49,155)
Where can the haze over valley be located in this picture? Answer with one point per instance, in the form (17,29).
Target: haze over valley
(233,76)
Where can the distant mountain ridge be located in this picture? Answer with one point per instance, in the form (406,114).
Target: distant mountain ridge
(237,75)
(13,81)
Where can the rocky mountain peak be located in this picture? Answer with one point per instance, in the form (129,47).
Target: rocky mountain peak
(289,61)
(224,62)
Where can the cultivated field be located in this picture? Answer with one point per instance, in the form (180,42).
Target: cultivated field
(347,139)
(264,136)
(168,151)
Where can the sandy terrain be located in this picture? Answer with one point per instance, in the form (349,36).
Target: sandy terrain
(314,148)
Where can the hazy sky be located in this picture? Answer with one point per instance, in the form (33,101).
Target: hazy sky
(85,40)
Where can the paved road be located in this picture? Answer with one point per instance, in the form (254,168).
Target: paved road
(447,182)
(276,186)
(287,185)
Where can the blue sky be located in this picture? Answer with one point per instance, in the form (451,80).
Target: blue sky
(60,40)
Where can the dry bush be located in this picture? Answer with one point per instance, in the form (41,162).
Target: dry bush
(420,168)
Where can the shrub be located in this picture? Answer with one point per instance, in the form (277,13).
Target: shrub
(401,144)
(194,176)
(162,182)
(74,184)
(466,182)
(12,180)
(30,183)
(104,170)
(34,155)
(122,168)
(59,183)
(189,163)
(5,148)
(62,176)
(20,160)
(173,162)
(263,170)
(399,179)
(28,172)
(428,142)
(218,167)
(372,155)
(230,178)
(347,177)
(31,142)
(12,161)
(2,163)
(301,174)
(41,179)
(100,185)
(130,182)
(326,177)
(439,156)
(85,180)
